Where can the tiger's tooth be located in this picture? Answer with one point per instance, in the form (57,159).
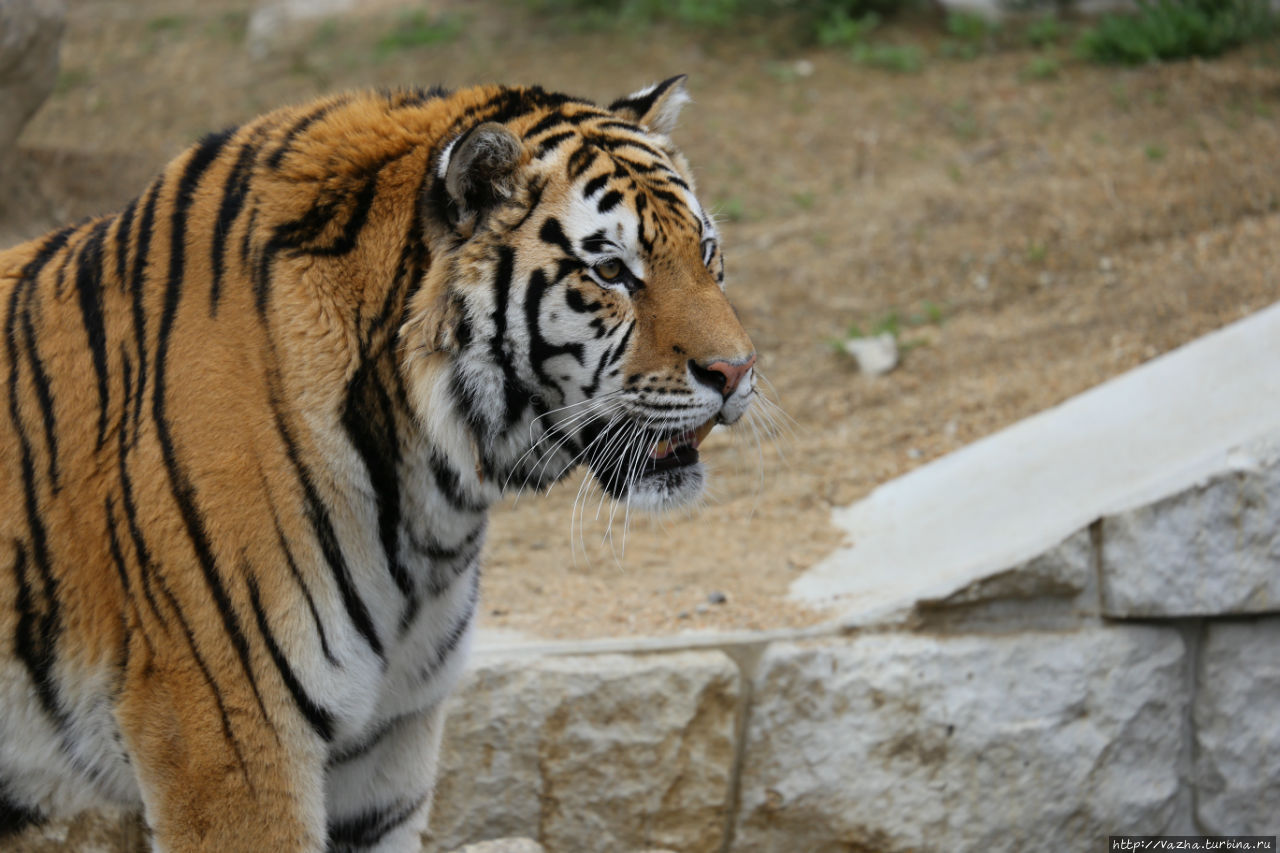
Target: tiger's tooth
(703,431)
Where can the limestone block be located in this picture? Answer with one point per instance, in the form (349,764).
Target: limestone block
(1237,771)
(504,845)
(30,31)
(897,742)
(1211,549)
(1054,590)
(607,752)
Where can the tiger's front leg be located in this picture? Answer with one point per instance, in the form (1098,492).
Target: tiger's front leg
(379,790)
(218,770)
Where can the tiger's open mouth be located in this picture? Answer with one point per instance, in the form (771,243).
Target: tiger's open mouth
(677,451)
(653,472)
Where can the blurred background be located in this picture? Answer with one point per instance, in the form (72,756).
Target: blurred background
(1024,200)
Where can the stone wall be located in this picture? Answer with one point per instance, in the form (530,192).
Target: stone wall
(1068,630)
(1123,682)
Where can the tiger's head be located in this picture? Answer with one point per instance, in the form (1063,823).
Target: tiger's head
(575,306)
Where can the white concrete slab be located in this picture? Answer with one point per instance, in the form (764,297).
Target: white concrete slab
(1149,433)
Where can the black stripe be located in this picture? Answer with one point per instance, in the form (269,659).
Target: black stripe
(552,142)
(138,286)
(180,485)
(594,185)
(622,346)
(552,233)
(578,304)
(322,527)
(609,201)
(124,225)
(50,247)
(113,542)
(556,119)
(146,568)
(302,584)
(203,666)
(296,130)
(319,718)
(450,485)
(39,379)
(581,160)
(442,651)
(540,350)
(15,817)
(89,290)
(515,395)
(448,564)
(370,424)
(233,195)
(368,828)
(368,743)
(39,623)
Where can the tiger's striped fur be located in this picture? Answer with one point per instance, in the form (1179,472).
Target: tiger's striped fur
(254,421)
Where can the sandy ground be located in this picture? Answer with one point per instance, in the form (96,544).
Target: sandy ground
(1033,236)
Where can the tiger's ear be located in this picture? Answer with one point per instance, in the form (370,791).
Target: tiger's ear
(479,168)
(656,107)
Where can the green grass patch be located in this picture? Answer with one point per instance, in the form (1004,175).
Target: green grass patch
(1165,30)
(1043,32)
(418,29)
(1041,68)
(900,58)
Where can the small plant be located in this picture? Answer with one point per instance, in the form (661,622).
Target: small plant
(1043,32)
(1041,68)
(892,322)
(1155,152)
(804,200)
(902,58)
(166,23)
(971,35)
(418,29)
(71,78)
(840,29)
(964,123)
(1037,252)
(1165,30)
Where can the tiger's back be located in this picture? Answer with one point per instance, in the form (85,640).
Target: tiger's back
(253,423)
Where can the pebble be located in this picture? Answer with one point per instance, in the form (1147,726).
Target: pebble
(701,609)
(717,597)
(875,356)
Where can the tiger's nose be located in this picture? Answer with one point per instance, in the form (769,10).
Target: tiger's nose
(722,376)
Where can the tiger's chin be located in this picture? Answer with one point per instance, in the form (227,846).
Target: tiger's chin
(667,476)
(672,488)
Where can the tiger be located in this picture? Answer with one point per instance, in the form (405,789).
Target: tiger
(254,423)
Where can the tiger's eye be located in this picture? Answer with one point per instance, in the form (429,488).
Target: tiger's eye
(610,269)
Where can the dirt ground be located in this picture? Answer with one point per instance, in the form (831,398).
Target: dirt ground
(1033,236)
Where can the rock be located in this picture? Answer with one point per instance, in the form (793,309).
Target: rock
(272,22)
(504,845)
(604,752)
(30,31)
(1052,591)
(1237,736)
(876,355)
(896,742)
(1211,549)
(717,597)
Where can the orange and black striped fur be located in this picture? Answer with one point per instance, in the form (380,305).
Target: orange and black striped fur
(253,422)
